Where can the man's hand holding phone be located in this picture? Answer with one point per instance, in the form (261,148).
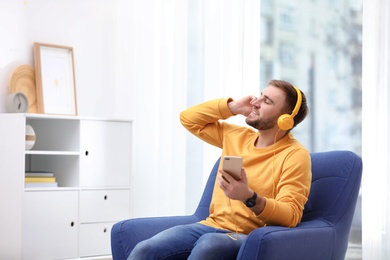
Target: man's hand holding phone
(232,170)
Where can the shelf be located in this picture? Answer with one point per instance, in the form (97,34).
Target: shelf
(91,162)
(76,153)
(65,117)
(105,188)
(51,117)
(35,189)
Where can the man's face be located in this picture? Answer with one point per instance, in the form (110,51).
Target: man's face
(267,109)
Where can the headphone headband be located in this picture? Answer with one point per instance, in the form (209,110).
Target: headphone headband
(298,104)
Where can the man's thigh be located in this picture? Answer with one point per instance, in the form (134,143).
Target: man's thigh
(217,246)
(173,243)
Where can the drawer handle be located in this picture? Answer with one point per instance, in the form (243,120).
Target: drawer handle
(72,224)
(86,153)
(105,230)
(105,197)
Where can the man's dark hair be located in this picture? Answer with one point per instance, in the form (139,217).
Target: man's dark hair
(291,98)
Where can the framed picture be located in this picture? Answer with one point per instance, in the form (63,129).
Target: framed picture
(55,80)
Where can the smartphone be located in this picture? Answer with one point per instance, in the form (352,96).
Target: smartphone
(232,165)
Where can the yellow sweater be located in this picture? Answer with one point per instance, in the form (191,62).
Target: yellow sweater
(281,172)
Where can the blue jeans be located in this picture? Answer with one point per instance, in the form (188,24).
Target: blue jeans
(193,241)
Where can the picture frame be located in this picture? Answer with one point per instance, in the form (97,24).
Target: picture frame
(55,79)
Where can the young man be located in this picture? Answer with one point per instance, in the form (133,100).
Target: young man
(275,177)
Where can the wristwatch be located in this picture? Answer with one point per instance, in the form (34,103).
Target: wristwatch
(251,202)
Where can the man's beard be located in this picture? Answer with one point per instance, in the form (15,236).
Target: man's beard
(262,123)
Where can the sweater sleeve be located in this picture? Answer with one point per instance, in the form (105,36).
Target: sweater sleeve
(203,120)
(292,191)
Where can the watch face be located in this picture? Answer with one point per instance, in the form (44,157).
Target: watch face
(250,203)
(17,103)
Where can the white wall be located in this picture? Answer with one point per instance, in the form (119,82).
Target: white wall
(145,60)
(124,70)
(88,26)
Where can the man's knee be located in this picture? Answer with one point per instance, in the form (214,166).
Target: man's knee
(215,246)
(142,251)
(209,242)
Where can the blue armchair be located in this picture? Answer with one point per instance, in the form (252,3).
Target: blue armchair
(322,234)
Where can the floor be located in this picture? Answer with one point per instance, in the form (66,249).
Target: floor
(354,252)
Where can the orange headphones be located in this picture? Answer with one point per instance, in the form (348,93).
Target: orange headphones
(286,121)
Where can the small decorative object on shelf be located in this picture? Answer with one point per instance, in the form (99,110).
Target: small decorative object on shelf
(30,137)
(16,103)
(55,80)
(23,81)
(40,179)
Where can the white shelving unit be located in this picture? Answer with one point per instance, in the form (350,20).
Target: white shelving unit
(91,161)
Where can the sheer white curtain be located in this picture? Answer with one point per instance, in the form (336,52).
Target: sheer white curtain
(172,54)
(229,45)
(375,127)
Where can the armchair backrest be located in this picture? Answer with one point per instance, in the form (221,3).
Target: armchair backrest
(203,209)
(334,191)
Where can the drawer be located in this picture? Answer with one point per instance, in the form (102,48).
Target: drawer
(104,205)
(95,239)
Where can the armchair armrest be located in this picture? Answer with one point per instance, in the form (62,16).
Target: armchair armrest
(309,240)
(127,233)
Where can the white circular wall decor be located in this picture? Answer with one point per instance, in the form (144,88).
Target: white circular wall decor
(30,137)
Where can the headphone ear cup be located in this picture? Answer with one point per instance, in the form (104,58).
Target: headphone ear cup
(285,122)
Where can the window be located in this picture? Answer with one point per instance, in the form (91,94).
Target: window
(267,31)
(287,54)
(319,50)
(286,19)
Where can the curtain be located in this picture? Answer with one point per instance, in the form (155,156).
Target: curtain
(172,54)
(375,130)
(226,49)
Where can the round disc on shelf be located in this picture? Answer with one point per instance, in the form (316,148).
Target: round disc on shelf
(23,80)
